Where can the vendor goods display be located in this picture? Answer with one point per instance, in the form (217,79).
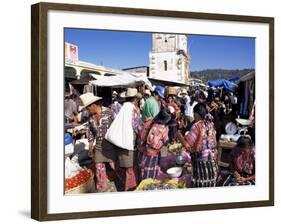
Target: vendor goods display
(174,172)
(175,148)
(161,186)
(76,129)
(80,183)
(230,138)
(243,122)
(227,144)
(77,179)
(180,160)
(152,184)
(231,128)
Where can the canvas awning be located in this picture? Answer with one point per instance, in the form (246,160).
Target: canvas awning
(123,80)
(83,81)
(157,82)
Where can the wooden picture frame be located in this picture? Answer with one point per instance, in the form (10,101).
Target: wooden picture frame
(39,108)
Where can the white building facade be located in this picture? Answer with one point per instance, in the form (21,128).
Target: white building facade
(169,59)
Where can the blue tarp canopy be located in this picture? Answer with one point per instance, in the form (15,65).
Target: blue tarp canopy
(222,83)
(234,79)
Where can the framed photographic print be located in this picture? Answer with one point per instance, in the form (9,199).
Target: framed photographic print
(164,111)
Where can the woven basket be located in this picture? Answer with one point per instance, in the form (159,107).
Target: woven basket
(171,91)
(87,187)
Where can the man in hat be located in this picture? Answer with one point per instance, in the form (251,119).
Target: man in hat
(146,95)
(115,106)
(122,134)
(100,119)
(114,93)
(153,104)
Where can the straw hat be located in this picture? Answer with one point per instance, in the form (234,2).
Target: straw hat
(131,92)
(139,95)
(184,92)
(151,88)
(88,99)
(147,92)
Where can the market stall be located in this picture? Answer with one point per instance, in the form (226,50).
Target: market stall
(227,142)
(246,94)
(106,84)
(123,80)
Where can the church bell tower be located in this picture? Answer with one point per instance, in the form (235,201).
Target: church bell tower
(169,58)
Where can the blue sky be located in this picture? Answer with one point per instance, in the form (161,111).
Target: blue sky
(129,49)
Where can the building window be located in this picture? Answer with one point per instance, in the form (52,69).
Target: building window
(165,65)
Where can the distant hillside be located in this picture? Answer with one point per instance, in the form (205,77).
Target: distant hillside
(211,74)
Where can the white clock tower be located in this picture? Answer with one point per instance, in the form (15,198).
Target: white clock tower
(169,59)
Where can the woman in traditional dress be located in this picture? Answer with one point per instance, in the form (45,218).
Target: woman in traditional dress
(153,137)
(242,165)
(200,141)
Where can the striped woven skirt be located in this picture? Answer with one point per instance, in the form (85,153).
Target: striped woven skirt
(148,165)
(204,171)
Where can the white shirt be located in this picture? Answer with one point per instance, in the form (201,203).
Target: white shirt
(190,111)
(187,105)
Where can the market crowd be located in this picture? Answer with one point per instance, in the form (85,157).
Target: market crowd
(129,135)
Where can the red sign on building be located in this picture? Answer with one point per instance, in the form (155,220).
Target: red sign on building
(71,53)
